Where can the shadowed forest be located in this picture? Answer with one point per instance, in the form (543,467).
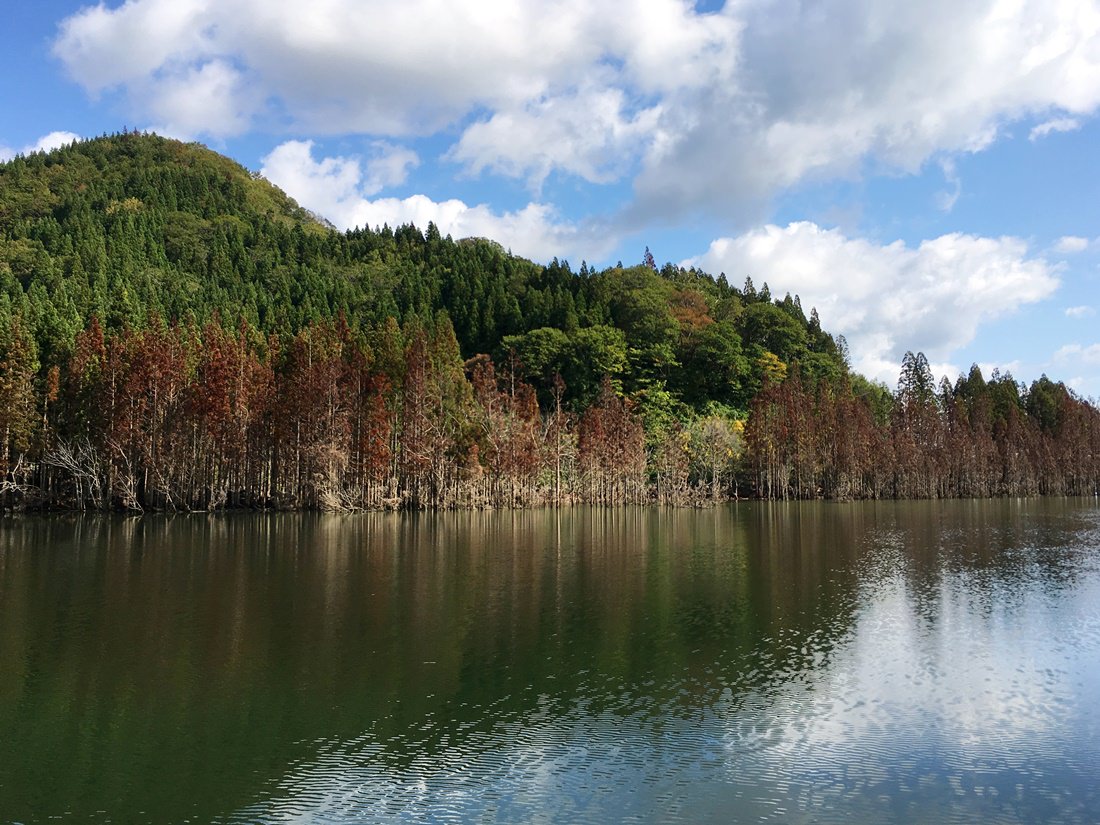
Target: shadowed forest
(175,333)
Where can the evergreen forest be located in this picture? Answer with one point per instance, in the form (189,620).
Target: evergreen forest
(177,334)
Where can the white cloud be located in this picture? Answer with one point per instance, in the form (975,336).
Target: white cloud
(911,81)
(1080,312)
(1078,353)
(1071,244)
(391,67)
(388,167)
(590,134)
(1083,362)
(105,47)
(711,112)
(886,299)
(946,200)
(1061,124)
(330,187)
(338,188)
(1014,367)
(213,98)
(53,140)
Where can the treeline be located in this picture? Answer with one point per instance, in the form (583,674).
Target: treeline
(176,333)
(181,418)
(975,438)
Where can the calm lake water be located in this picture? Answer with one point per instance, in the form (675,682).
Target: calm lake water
(918,662)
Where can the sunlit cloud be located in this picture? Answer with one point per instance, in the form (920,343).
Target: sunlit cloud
(53,140)
(1062,124)
(702,111)
(338,189)
(1089,354)
(1071,245)
(1080,361)
(887,299)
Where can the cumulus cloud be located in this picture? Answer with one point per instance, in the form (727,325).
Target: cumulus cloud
(388,167)
(1080,312)
(590,134)
(106,47)
(53,140)
(337,188)
(1061,124)
(214,98)
(886,299)
(1071,244)
(1014,367)
(1082,362)
(1079,353)
(390,67)
(911,81)
(704,111)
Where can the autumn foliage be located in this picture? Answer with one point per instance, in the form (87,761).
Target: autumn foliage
(971,439)
(177,334)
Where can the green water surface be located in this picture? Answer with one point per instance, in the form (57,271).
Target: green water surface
(870,662)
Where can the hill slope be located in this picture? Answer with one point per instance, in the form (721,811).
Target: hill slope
(176,332)
(132,225)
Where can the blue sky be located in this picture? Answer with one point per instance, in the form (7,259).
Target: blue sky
(924,174)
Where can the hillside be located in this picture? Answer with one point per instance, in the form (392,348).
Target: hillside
(177,332)
(130,226)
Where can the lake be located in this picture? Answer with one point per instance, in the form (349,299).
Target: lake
(916,662)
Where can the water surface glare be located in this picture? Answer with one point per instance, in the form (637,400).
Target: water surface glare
(922,662)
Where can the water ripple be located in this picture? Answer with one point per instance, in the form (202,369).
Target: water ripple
(934,703)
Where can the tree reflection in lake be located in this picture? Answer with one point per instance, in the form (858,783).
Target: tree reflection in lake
(908,662)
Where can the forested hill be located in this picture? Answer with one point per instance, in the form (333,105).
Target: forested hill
(177,332)
(132,226)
